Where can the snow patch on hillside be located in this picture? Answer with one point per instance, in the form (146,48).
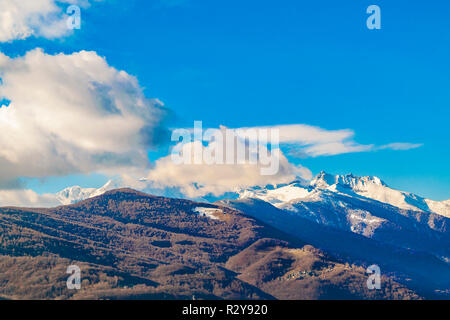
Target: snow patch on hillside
(208,212)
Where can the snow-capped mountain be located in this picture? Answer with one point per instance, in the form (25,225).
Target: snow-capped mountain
(76,193)
(321,188)
(365,206)
(73,194)
(368,187)
(360,218)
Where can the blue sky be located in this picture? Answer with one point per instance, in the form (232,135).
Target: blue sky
(259,63)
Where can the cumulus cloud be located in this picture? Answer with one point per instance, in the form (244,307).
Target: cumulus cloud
(217,161)
(205,177)
(27,198)
(73,114)
(21,19)
(198,180)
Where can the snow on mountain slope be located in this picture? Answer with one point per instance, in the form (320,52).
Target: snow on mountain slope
(362,205)
(279,195)
(207,212)
(322,188)
(374,188)
(365,206)
(73,194)
(368,187)
(440,207)
(110,185)
(76,193)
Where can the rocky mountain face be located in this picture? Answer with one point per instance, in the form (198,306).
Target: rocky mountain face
(367,188)
(130,245)
(364,206)
(362,219)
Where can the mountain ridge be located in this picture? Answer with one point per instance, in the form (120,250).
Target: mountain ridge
(131,245)
(370,187)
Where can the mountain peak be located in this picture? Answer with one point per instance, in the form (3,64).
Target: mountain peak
(75,194)
(324,180)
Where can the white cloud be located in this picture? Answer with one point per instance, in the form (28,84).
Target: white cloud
(27,198)
(401,146)
(20,19)
(72,114)
(201,179)
(227,172)
(309,141)
(198,180)
(334,148)
(218,167)
(306,134)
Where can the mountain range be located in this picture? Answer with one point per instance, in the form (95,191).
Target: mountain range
(363,206)
(131,245)
(300,240)
(324,183)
